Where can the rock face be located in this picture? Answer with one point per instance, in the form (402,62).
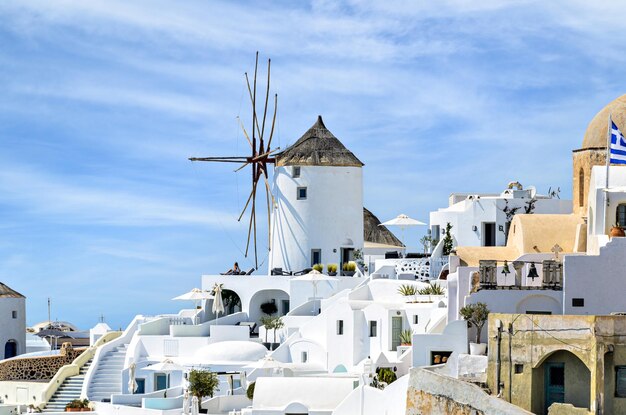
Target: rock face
(38,368)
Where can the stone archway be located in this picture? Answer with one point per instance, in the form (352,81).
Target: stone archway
(10,349)
(561,377)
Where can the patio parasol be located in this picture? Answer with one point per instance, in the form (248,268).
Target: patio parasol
(132,383)
(314,277)
(218,303)
(402,221)
(194,295)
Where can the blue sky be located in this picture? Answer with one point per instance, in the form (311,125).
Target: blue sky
(101,103)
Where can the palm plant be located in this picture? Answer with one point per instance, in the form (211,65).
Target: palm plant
(406,337)
(407,290)
(432,289)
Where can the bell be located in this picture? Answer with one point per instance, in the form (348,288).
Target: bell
(505,269)
(532,273)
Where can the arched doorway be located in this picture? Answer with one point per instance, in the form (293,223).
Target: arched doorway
(232,302)
(279,298)
(561,377)
(10,349)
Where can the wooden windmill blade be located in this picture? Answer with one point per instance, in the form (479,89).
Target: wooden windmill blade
(261,156)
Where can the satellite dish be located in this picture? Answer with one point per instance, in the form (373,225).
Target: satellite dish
(532,190)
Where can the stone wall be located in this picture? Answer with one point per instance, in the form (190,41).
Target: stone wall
(38,368)
(431,393)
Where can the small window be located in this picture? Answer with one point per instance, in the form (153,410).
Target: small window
(519,368)
(316,256)
(295,171)
(621,215)
(578,302)
(373,329)
(14,314)
(304,357)
(416,319)
(339,327)
(620,381)
(301,193)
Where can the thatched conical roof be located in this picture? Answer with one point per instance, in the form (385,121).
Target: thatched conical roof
(318,147)
(8,292)
(372,232)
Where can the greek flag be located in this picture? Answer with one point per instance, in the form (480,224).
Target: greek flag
(618,145)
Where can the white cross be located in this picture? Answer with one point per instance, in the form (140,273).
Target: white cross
(556,249)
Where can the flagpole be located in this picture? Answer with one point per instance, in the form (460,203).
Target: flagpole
(608,162)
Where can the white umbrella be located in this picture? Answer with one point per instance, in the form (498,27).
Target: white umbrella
(132,383)
(166,366)
(186,402)
(314,277)
(218,304)
(194,405)
(267,362)
(243,380)
(194,295)
(403,221)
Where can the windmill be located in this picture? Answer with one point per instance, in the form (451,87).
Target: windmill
(261,156)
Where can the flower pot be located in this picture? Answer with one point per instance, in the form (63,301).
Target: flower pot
(332,274)
(437,359)
(478,349)
(617,232)
(348,273)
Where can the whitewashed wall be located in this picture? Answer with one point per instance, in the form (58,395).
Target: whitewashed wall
(331,215)
(12,328)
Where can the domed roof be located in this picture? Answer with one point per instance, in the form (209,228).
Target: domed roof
(231,351)
(595,136)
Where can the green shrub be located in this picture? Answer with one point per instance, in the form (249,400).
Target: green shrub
(386,375)
(250,390)
(318,267)
(349,266)
(269,308)
(331,267)
(433,289)
(476,315)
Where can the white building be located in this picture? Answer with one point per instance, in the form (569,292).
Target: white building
(12,322)
(484,219)
(318,217)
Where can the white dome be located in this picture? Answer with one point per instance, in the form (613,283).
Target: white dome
(231,351)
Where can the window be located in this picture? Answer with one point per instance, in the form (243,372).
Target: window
(416,319)
(581,187)
(295,171)
(519,368)
(435,232)
(621,215)
(14,314)
(620,381)
(141,386)
(373,329)
(160,381)
(316,256)
(285,304)
(578,302)
(304,357)
(339,327)
(301,193)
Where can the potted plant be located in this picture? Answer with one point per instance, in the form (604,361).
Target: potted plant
(250,390)
(74,406)
(277,324)
(268,323)
(331,269)
(408,290)
(617,231)
(349,268)
(476,315)
(318,267)
(406,338)
(203,383)
(448,242)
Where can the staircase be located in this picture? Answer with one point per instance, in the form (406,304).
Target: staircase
(107,379)
(68,391)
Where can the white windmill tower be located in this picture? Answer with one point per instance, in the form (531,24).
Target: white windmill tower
(318,190)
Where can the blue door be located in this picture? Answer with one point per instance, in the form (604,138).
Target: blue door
(555,384)
(10,349)
(160,381)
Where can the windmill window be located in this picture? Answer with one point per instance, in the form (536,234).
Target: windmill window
(621,215)
(295,171)
(416,319)
(581,187)
(304,357)
(301,193)
(14,314)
